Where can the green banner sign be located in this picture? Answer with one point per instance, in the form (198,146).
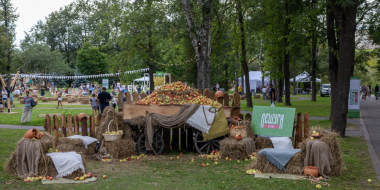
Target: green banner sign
(273,121)
(159,73)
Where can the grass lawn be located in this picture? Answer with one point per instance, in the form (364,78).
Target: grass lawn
(319,108)
(163,173)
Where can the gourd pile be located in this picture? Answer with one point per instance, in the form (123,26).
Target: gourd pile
(177,94)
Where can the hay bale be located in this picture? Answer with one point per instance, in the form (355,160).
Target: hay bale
(85,101)
(68,144)
(70,100)
(40,98)
(11,164)
(35,96)
(262,143)
(294,166)
(121,149)
(44,100)
(54,99)
(22,102)
(16,95)
(231,148)
(46,141)
(331,139)
(64,99)
(109,113)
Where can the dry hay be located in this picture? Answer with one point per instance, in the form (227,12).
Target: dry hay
(85,101)
(109,114)
(11,165)
(231,148)
(331,139)
(294,166)
(69,144)
(121,149)
(64,99)
(16,95)
(44,100)
(20,98)
(22,102)
(46,141)
(54,99)
(262,142)
(40,97)
(139,121)
(35,96)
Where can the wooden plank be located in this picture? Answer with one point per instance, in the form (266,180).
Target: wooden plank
(133,110)
(76,125)
(84,126)
(212,96)
(190,140)
(135,97)
(166,136)
(69,125)
(51,115)
(63,126)
(299,129)
(92,126)
(306,125)
(128,97)
(56,132)
(183,138)
(220,100)
(199,91)
(226,99)
(248,117)
(175,139)
(206,93)
(143,95)
(120,102)
(47,125)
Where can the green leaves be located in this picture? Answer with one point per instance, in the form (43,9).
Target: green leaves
(91,61)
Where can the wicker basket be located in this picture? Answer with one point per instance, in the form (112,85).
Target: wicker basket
(112,137)
(243,131)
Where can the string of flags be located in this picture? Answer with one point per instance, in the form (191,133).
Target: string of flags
(173,64)
(43,76)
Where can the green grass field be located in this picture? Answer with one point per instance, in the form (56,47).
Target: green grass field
(319,108)
(163,173)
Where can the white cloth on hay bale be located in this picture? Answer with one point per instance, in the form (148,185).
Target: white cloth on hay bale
(85,139)
(66,163)
(199,121)
(280,142)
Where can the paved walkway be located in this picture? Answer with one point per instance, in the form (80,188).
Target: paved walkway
(370,121)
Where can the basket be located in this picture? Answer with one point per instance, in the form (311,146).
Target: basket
(112,137)
(243,131)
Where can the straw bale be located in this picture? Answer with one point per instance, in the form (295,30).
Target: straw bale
(121,149)
(231,148)
(54,99)
(40,97)
(109,114)
(331,139)
(46,141)
(262,142)
(64,99)
(294,166)
(69,144)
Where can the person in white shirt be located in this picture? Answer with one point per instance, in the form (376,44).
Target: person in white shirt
(264,90)
(114,103)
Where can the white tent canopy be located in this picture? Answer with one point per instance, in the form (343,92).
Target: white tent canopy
(255,78)
(304,77)
(145,81)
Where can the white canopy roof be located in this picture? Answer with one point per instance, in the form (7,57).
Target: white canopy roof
(254,80)
(142,79)
(304,77)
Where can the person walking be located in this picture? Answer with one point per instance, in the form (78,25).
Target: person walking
(264,93)
(364,92)
(28,108)
(104,98)
(114,102)
(240,89)
(113,92)
(369,91)
(4,94)
(94,104)
(272,95)
(59,100)
(138,90)
(217,87)
(376,90)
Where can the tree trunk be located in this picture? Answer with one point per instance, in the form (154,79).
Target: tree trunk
(346,17)
(294,76)
(244,64)
(333,51)
(200,35)
(261,64)
(236,70)
(286,61)
(150,49)
(313,68)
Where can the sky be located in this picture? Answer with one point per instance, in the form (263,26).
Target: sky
(31,11)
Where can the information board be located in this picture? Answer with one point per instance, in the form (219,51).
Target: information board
(353,98)
(273,121)
(105,83)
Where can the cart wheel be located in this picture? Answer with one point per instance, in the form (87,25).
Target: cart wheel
(157,144)
(206,147)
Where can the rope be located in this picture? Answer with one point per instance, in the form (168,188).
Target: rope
(314,180)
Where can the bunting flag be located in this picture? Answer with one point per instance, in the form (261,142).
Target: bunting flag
(41,76)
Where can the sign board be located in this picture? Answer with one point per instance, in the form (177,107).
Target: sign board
(159,74)
(273,121)
(105,83)
(353,98)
